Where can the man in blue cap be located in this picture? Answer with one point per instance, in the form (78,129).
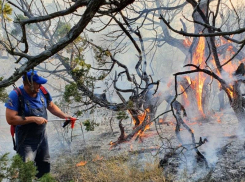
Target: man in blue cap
(31,135)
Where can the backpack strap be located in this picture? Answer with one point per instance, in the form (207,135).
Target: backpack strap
(46,94)
(21,109)
(12,131)
(21,112)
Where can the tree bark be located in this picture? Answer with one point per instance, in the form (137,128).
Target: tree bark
(237,106)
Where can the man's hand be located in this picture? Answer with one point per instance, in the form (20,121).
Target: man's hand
(40,120)
(68,117)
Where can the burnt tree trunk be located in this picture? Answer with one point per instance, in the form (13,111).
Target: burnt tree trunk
(236,98)
(135,115)
(206,94)
(200,55)
(122,136)
(221,96)
(237,106)
(189,99)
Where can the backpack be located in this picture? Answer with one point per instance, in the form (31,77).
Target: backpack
(21,109)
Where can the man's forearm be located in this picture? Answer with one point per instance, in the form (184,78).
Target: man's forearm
(18,120)
(55,110)
(13,118)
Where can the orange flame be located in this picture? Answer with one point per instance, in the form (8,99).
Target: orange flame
(187,42)
(230,68)
(186,101)
(82,163)
(142,116)
(131,147)
(188,79)
(147,127)
(198,59)
(230,91)
(161,120)
(97,158)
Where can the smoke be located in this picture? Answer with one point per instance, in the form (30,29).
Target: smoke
(211,147)
(231,78)
(192,168)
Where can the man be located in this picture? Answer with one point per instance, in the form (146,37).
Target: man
(30,130)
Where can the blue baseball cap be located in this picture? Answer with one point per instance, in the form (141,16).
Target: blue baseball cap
(36,78)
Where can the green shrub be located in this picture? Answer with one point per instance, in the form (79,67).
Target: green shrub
(90,125)
(47,178)
(16,170)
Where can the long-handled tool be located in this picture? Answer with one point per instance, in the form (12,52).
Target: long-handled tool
(71,120)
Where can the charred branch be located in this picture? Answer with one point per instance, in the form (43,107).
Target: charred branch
(240,70)
(122,90)
(181,32)
(146,11)
(212,74)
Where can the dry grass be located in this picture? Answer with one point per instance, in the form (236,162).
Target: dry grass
(117,169)
(123,168)
(112,169)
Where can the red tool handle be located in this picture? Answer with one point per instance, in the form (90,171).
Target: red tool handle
(12,130)
(71,120)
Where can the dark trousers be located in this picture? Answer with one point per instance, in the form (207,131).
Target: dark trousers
(35,148)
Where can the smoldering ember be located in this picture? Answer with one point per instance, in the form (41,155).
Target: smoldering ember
(151,90)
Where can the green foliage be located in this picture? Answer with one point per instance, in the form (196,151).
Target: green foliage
(90,125)
(3,93)
(47,178)
(81,72)
(7,10)
(16,169)
(72,93)
(122,115)
(130,104)
(78,113)
(17,29)
(81,66)
(101,55)
(79,62)
(26,171)
(62,29)
(3,166)
(102,76)
(91,111)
